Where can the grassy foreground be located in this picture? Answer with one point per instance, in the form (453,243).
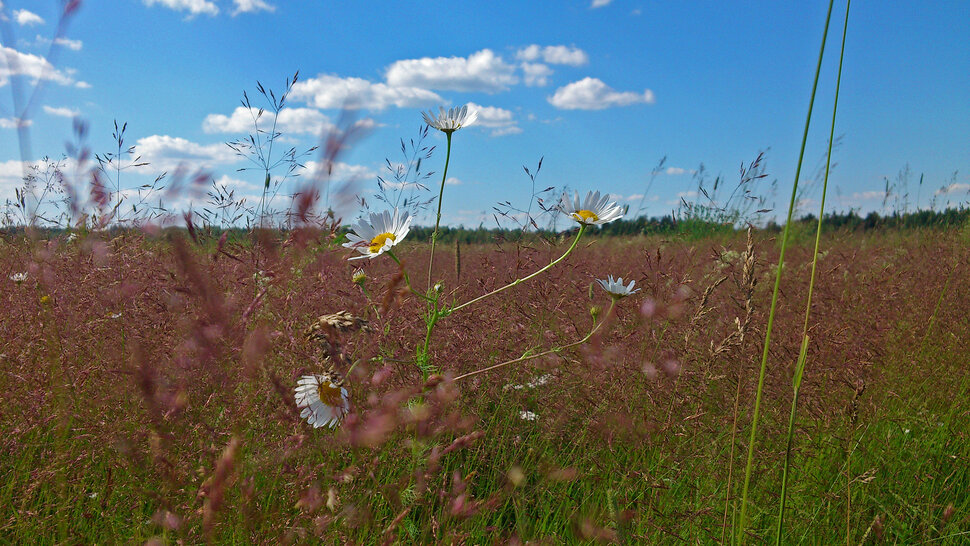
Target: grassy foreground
(147,394)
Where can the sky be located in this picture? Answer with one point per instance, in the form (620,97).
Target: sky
(602,90)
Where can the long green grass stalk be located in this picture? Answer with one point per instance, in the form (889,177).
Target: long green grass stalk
(774,295)
(441,194)
(802,356)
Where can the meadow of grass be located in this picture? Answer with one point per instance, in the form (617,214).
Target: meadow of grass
(148,379)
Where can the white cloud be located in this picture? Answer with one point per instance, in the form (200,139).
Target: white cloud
(863,195)
(27,64)
(600,3)
(11,176)
(558,54)
(536,74)
(82,85)
(327,91)
(251,6)
(73,45)
(482,71)
(11,123)
(593,94)
(341,171)
(194,7)
(452,181)
(291,120)
(499,120)
(166,153)
(675,171)
(61,111)
(955,187)
(27,18)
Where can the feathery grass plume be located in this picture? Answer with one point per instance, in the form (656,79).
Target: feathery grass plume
(742,519)
(803,354)
(458,261)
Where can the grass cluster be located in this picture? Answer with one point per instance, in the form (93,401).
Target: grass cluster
(148,394)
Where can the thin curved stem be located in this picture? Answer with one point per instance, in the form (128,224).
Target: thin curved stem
(800,368)
(441,193)
(544,353)
(579,234)
(774,295)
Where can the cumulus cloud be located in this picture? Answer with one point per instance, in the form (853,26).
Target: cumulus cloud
(251,6)
(482,71)
(593,94)
(11,177)
(341,171)
(328,91)
(63,112)
(499,120)
(291,120)
(536,74)
(27,18)
(166,153)
(600,3)
(73,45)
(13,123)
(194,7)
(558,54)
(678,171)
(27,64)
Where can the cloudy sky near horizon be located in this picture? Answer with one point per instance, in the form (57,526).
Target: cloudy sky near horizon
(602,89)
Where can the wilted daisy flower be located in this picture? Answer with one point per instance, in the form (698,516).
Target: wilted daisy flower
(377,236)
(594,210)
(359,277)
(616,288)
(323,401)
(449,121)
(19,277)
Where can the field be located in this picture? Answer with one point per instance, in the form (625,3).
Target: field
(148,383)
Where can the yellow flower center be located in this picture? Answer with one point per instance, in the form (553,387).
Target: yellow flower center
(585,216)
(378,242)
(330,394)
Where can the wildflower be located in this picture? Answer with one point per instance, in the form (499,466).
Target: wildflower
(449,121)
(359,277)
(19,277)
(615,288)
(377,236)
(72,237)
(323,400)
(527,415)
(594,210)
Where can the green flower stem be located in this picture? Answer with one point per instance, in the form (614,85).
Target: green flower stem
(441,192)
(742,520)
(800,368)
(579,235)
(555,350)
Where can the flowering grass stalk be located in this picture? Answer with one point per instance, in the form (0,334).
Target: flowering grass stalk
(774,296)
(800,367)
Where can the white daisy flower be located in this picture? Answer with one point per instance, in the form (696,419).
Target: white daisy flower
(527,415)
(19,277)
(377,236)
(449,121)
(594,210)
(324,402)
(616,288)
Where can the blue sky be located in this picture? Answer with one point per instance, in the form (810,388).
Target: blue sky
(601,89)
